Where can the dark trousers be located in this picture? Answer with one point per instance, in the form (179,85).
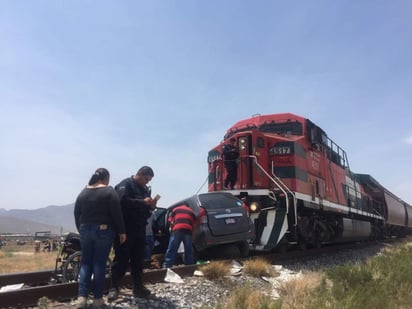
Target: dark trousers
(131,252)
(231,176)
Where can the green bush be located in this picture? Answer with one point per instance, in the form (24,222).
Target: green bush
(383,282)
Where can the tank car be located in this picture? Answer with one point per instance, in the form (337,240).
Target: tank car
(299,187)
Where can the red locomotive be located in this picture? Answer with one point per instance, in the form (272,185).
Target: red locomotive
(299,187)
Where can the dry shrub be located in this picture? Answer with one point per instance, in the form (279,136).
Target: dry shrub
(43,303)
(296,291)
(215,270)
(247,298)
(258,268)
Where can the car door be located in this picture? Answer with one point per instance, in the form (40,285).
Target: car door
(162,233)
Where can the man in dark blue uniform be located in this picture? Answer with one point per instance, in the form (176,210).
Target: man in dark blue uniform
(136,202)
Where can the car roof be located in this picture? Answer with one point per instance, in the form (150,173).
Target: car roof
(194,199)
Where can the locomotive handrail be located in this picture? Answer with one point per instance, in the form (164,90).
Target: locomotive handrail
(281,182)
(291,193)
(281,185)
(215,167)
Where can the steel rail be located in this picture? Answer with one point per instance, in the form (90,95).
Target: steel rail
(28,278)
(29,297)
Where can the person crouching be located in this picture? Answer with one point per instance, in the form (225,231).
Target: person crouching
(182,220)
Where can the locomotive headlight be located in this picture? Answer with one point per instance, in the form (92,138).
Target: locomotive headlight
(242,143)
(254,207)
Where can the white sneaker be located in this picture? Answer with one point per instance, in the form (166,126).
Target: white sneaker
(81,302)
(98,303)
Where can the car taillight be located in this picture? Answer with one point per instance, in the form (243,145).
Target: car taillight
(244,206)
(202,215)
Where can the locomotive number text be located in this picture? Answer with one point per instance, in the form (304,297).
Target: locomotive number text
(280,151)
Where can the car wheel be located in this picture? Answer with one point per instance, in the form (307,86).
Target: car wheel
(303,245)
(196,255)
(231,251)
(244,249)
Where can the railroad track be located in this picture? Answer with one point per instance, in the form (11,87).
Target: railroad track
(37,284)
(33,290)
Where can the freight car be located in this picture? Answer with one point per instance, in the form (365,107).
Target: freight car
(299,187)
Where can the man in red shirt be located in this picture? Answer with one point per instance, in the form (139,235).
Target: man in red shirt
(182,220)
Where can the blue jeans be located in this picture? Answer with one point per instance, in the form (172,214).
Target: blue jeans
(175,239)
(96,244)
(149,247)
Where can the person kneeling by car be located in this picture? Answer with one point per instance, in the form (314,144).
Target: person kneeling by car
(182,220)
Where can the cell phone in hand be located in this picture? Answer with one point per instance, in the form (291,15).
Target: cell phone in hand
(157,197)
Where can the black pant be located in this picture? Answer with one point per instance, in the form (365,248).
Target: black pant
(231,176)
(130,252)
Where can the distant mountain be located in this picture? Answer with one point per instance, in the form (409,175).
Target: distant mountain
(50,218)
(10,225)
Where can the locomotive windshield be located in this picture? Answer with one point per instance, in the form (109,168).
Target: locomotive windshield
(233,131)
(281,128)
(289,127)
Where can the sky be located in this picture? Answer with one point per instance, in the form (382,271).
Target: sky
(122,84)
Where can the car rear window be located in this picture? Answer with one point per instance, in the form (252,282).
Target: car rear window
(218,201)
